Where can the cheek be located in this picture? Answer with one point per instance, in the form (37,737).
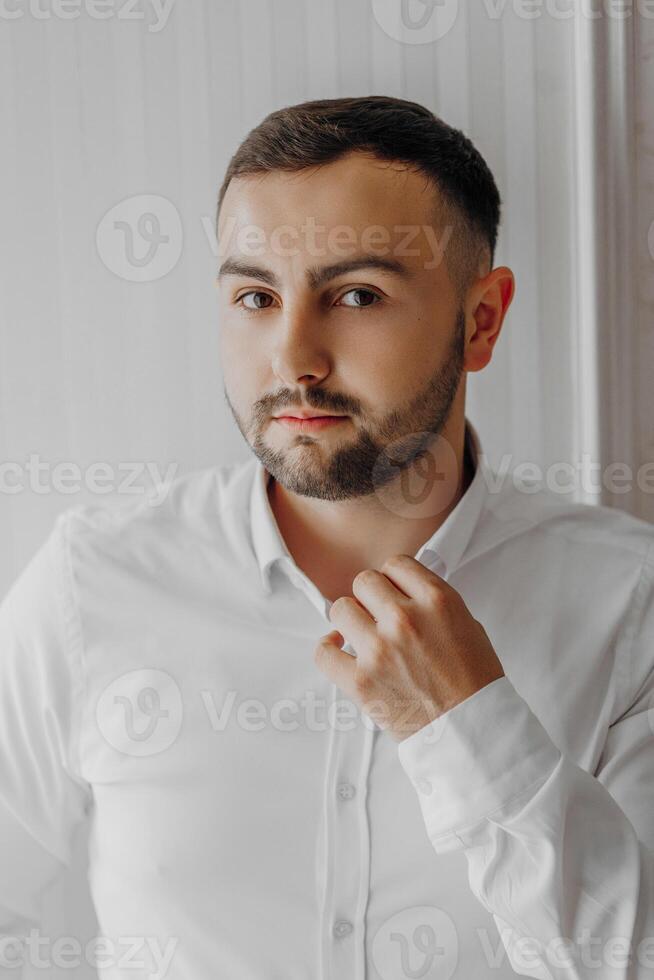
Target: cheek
(244,369)
(399,361)
(377,368)
(238,351)
(233,344)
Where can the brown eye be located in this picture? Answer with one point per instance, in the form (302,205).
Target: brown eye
(369,298)
(257,304)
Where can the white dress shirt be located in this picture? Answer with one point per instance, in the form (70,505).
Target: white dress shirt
(248,822)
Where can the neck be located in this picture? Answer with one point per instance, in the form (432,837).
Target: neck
(363,532)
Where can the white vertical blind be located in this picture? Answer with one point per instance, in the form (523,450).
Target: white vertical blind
(97,368)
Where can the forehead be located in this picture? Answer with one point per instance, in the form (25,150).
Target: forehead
(335,209)
(357,187)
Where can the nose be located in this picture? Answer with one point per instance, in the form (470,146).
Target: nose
(299,353)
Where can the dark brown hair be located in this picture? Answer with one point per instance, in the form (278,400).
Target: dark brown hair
(319,132)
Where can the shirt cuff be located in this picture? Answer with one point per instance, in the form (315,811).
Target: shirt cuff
(474,759)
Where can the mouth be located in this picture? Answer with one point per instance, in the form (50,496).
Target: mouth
(309,424)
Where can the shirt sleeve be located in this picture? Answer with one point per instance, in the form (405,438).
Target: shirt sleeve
(42,794)
(562,858)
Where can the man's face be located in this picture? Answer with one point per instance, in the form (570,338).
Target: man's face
(381,347)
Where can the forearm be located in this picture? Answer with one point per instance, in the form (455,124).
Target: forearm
(550,853)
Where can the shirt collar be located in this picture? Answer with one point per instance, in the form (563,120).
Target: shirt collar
(446,546)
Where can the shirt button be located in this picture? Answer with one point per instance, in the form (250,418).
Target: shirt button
(345,791)
(342,928)
(424,787)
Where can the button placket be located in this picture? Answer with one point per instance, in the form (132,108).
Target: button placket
(346,846)
(343,850)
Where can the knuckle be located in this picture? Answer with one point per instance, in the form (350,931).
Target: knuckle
(399,619)
(339,606)
(394,561)
(436,595)
(367,575)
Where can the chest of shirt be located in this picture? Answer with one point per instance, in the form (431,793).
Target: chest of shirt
(222,679)
(230,774)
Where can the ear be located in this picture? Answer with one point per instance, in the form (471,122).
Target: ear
(488,302)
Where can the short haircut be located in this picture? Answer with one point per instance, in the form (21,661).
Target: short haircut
(321,131)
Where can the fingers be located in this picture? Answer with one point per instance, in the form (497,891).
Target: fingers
(354,621)
(336,664)
(414,579)
(377,593)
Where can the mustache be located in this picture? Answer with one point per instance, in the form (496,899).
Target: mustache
(338,404)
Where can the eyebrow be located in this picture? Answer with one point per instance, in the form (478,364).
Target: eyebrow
(316,276)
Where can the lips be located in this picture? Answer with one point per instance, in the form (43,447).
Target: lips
(309,423)
(302,415)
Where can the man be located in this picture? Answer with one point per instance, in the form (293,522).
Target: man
(348,709)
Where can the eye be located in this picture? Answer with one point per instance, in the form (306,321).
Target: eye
(366,293)
(253,293)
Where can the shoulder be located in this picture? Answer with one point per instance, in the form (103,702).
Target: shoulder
(566,549)
(544,518)
(202,506)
